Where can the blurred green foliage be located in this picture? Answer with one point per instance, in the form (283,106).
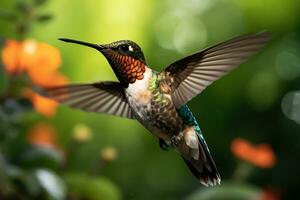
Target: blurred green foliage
(228,191)
(247,103)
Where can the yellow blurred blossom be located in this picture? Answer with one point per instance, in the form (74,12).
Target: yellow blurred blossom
(109,153)
(82,133)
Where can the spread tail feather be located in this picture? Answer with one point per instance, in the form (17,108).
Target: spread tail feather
(203,168)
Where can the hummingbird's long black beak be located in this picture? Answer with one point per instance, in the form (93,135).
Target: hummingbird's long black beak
(95,46)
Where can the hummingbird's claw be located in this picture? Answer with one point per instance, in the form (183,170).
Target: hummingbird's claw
(175,140)
(163,145)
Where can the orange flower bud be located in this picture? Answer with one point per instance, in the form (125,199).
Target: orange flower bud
(268,194)
(46,58)
(11,56)
(40,60)
(43,63)
(42,134)
(261,155)
(42,105)
(41,77)
(264,156)
(28,53)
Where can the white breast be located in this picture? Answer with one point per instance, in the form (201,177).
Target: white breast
(140,86)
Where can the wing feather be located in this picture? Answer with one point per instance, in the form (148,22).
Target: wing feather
(103,97)
(191,75)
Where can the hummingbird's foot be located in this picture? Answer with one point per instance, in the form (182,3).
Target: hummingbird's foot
(175,140)
(163,145)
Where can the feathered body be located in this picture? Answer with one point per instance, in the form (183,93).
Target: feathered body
(153,107)
(158,99)
(151,101)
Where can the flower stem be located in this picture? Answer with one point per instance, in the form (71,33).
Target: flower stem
(242,171)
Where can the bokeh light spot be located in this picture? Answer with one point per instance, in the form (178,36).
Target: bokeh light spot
(190,35)
(288,65)
(164,30)
(263,90)
(291,106)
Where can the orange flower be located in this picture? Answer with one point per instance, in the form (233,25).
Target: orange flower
(28,50)
(42,134)
(42,68)
(42,105)
(11,56)
(45,79)
(40,60)
(46,56)
(261,155)
(268,194)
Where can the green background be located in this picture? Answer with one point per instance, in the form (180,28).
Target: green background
(247,103)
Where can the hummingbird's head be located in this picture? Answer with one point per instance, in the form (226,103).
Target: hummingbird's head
(125,57)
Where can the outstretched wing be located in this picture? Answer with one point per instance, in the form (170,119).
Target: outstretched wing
(189,76)
(103,97)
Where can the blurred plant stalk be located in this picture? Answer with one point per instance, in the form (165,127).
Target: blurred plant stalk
(28,165)
(107,154)
(242,171)
(31,170)
(25,14)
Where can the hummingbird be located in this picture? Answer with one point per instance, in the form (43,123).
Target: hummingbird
(158,100)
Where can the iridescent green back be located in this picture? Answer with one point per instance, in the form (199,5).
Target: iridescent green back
(188,117)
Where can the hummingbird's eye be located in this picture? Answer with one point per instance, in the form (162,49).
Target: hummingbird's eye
(125,48)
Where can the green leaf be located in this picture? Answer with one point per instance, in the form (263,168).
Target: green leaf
(7,15)
(31,183)
(24,180)
(51,183)
(39,2)
(35,156)
(227,191)
(92,188)
(24,6)
(8,170)
(44,18)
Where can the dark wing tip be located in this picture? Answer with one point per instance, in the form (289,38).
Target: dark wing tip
(208,176)
(210,179)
